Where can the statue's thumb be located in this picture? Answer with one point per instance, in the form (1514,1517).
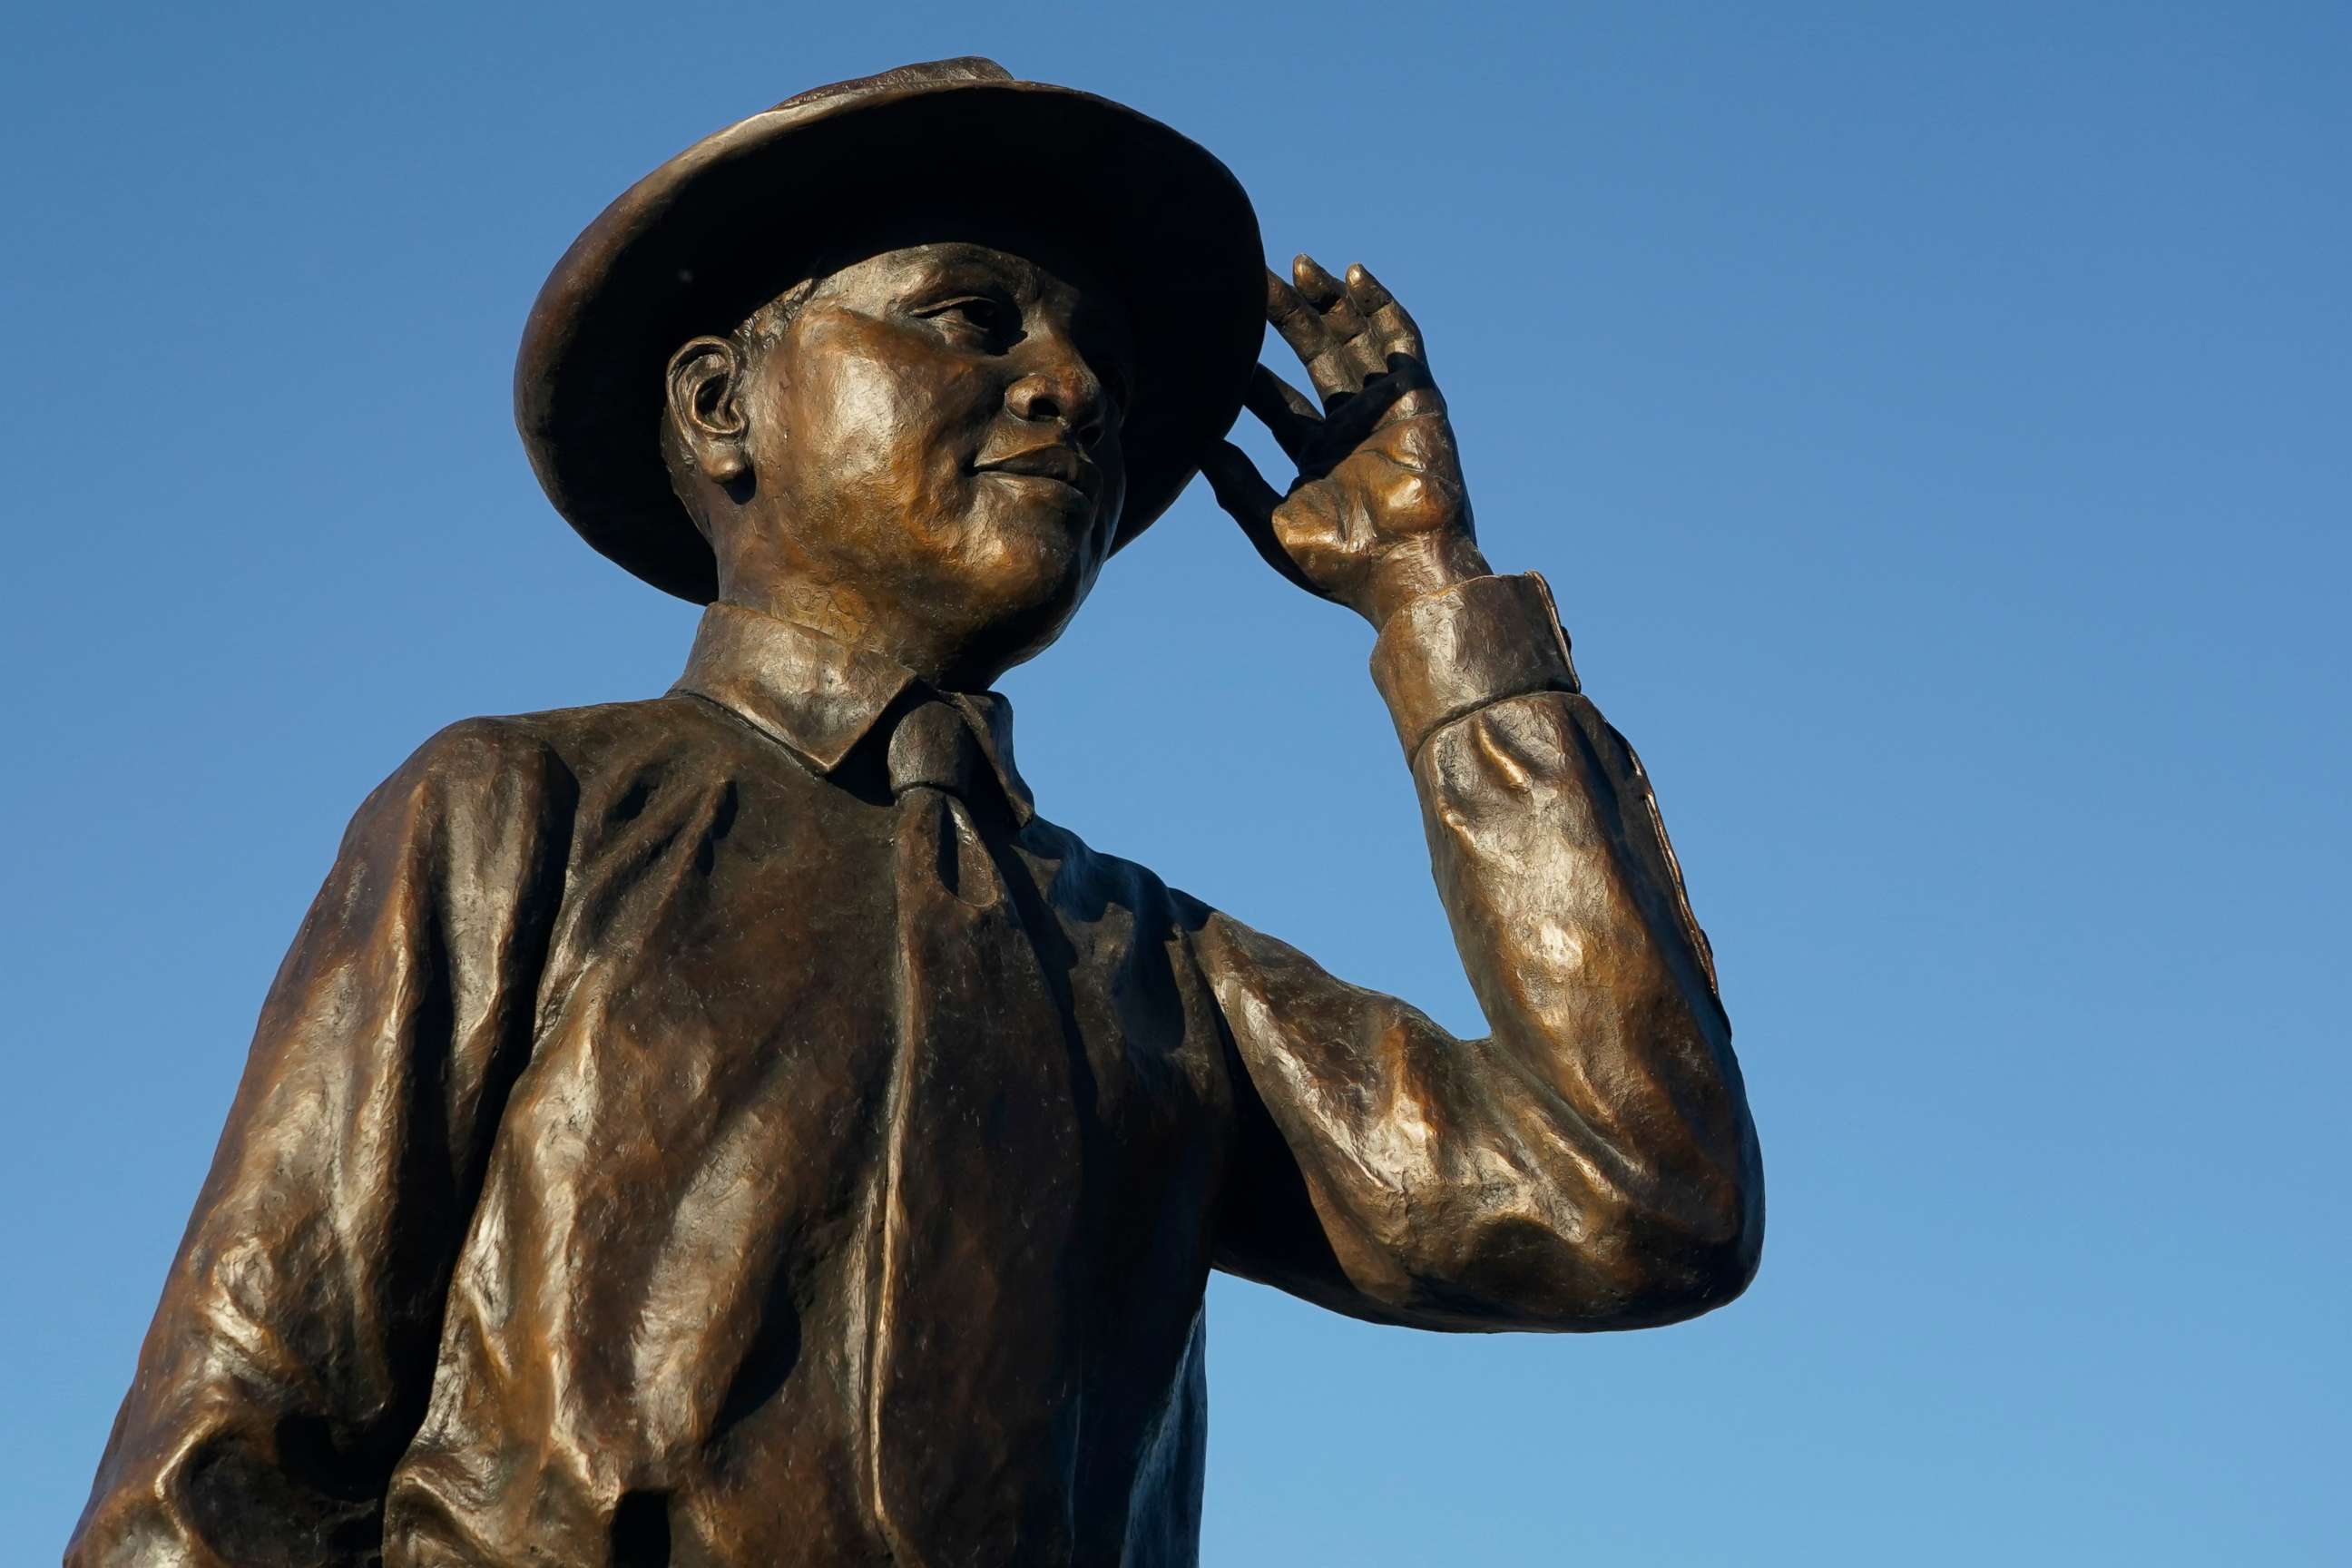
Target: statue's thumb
(1243,491)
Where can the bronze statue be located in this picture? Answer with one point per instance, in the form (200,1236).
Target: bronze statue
(734,1127)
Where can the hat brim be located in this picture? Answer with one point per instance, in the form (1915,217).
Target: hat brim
(701,242)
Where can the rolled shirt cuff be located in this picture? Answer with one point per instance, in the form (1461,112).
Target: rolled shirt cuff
(1460,648)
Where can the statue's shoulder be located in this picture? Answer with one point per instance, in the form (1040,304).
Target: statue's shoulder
(585,731)
(558,746)
(1088,881)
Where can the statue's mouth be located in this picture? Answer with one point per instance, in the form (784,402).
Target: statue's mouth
(1063,465)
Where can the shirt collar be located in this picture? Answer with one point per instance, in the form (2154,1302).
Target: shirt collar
(820,696)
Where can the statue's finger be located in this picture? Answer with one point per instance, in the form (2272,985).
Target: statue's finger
(1323,291)
(1331,367)
(1391,325)
(1336,375)
(1299,323)
(1319,288)
(1239,488)
(1370,295)
(1286,411)
(1243,491)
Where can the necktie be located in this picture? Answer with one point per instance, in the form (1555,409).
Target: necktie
(974,1410)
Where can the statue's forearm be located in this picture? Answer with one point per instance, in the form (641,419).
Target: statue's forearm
(1591,1164)
(1613,1067)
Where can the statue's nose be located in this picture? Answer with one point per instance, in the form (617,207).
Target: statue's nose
(1067,392)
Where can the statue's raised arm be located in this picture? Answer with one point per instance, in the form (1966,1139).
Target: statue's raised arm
(1590,1164)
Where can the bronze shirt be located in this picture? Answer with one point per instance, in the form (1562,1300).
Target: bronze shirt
(543,1227)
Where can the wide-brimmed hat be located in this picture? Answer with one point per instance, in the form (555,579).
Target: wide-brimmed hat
(701,242)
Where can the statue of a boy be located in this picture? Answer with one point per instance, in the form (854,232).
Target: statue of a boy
(734,1127)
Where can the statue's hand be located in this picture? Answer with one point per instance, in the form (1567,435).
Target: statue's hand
(1377,515)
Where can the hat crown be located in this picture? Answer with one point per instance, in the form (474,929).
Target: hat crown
(922,73)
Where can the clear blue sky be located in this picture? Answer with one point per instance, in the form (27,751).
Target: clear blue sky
(1934,421)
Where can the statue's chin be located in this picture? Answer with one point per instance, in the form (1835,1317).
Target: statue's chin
(1020,597)
(1030,554)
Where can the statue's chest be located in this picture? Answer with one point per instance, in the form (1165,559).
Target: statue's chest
(732,1046)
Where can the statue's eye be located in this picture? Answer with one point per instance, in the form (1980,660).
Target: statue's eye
(973,315)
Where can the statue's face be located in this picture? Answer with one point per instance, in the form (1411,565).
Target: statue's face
(933,441)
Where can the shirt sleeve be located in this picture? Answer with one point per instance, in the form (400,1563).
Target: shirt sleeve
(1591,1162)
(289,1360)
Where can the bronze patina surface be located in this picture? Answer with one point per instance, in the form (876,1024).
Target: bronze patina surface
(735,1127)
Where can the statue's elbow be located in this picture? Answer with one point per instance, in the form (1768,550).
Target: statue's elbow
(1682,1262)
(1615,1265)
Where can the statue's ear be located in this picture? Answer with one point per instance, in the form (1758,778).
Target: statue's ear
(706,408)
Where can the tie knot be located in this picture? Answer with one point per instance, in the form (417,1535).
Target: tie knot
(933,745)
